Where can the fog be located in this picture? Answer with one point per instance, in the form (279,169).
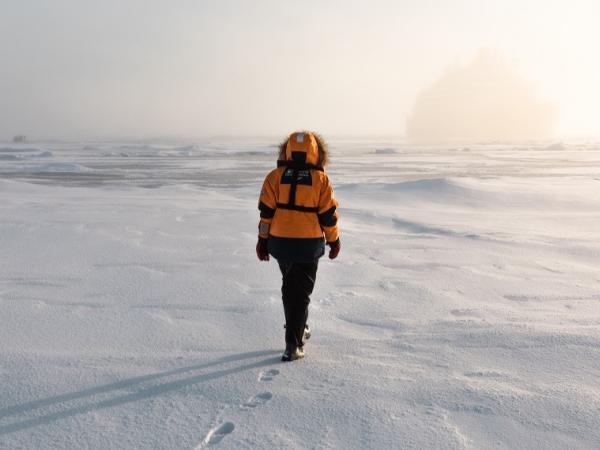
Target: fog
(485,100)
(76,69)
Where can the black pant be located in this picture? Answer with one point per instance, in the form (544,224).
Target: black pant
(298,283)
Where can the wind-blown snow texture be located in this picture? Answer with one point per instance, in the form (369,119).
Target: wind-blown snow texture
(463,311)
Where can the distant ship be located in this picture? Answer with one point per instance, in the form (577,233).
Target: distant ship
(486,100)
(20,138)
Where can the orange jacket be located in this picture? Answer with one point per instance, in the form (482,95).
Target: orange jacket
(296,201)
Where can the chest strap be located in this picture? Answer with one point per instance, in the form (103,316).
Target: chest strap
(308,209)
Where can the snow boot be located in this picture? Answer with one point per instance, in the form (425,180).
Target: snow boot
(307,333)
(292,353)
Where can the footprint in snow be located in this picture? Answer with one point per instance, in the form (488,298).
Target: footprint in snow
(215,435)
(268,375)
(258,400)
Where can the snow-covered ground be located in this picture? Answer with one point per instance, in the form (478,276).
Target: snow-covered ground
(463,311)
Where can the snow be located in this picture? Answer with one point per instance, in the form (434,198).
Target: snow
(385,151)
(555,146)
(462,313)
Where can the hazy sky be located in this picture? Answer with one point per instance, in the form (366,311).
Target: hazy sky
(142,68)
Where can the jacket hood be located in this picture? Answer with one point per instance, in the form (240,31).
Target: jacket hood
(302,148)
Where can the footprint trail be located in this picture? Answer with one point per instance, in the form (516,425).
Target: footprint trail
(218,433)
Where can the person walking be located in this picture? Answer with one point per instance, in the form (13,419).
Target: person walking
(298,215)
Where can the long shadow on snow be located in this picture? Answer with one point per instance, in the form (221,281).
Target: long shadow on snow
(141,394)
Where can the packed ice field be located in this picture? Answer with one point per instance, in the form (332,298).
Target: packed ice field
(462,313)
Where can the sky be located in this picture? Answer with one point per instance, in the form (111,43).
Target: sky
(79,69)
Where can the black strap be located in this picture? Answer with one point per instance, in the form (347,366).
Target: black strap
(328,218)
(299,166)
(292,196)
(265,211)
(308,209)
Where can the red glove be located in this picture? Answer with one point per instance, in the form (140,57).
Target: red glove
(335,248)
(261,249)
